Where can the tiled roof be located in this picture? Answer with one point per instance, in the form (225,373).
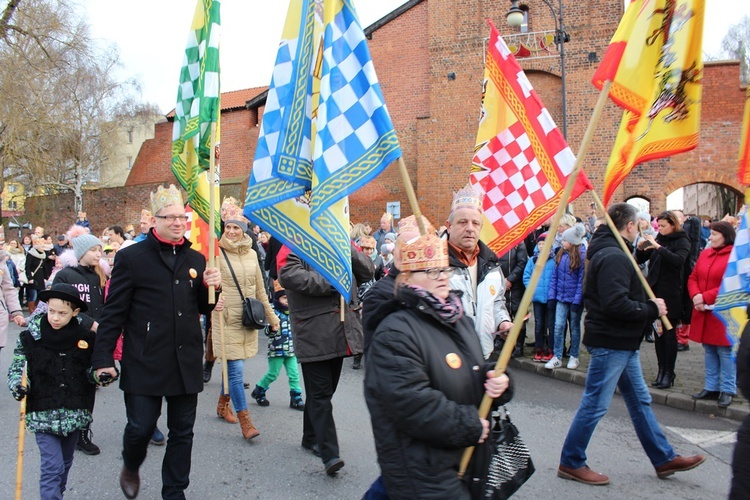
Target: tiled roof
(235,98)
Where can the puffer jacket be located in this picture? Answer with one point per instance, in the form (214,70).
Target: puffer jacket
(486,307)
(513,264)
(239,342)
(705,279)
(315,310)
(9,304)
(423,383)
(89,286)
(565,284)
(540,294)
(666,267)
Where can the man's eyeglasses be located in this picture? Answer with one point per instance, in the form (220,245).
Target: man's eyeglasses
(367,248)
(172,218)
(435,273)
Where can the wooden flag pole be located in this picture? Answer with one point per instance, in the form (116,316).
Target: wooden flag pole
(510,342)
(212,212)
(21,436)
(621,241)
(411,196)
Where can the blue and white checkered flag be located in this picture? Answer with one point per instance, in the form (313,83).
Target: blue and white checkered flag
(734,293)
(325,133)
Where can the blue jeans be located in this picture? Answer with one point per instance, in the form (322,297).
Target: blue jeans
(56,453)
(608,369)
(721,370)
(235,372)
(142,413)
(544,325)
(563,312)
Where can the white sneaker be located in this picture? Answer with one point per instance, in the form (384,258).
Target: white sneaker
(572,363)
(553,363)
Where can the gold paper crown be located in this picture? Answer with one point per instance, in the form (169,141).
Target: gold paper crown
(277,286)
(425,252)
(467,197)
(409,225)
(165,197)
(145,214)
(232,212)
(229,200)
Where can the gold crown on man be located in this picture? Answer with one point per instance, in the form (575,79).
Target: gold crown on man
(467,197)
(232,212)
(146,214)
(409,225)
(163,197)
(425,252)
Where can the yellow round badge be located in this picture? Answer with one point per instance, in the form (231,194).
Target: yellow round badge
(453,360)
(193,273)
(82,344)
(492,290)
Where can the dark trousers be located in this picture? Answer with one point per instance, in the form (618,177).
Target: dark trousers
(741,463)
(666,348)
(544,326)
(56,453)
(143,413)
(321,380)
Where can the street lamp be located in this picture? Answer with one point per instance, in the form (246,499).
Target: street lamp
(515,18)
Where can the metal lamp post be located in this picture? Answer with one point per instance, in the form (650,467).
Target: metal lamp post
(515,17)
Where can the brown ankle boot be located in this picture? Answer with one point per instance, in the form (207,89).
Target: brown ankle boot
(248,429)
(32,306)
(223,410)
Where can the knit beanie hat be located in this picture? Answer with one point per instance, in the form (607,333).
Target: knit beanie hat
(645,216)
(84,243)
(390,236)
(574,235)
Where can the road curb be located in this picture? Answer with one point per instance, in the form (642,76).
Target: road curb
(659,396)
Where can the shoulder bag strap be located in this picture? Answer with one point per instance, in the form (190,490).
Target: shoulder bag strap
(233,276)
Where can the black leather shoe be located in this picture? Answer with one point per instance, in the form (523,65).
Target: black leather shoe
(659,378)
(704,394)
(312,448)
(683,347)
(208,366)
(130,482)
(725,399)
(667,381)
(333,466)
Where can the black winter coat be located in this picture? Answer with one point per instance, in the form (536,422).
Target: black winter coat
(315,310)
(423,410)
(156,297)
(616,304)
(513,264)
(743,361)
(37,271)
(89,287)
(666,267)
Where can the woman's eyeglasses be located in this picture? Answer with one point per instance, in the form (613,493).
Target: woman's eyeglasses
(435,273)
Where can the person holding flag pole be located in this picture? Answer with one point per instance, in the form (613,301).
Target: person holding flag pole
(663,469)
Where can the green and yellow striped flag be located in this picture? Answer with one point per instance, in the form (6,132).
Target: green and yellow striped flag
(198,106)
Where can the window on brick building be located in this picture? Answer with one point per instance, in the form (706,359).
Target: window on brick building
(130,162)
(524,28)
(130,136)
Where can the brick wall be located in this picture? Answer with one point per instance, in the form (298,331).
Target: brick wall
(436,117)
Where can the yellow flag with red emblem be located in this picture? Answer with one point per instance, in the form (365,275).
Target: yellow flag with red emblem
(655,64)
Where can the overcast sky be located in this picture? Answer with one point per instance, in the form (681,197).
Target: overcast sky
(151,36)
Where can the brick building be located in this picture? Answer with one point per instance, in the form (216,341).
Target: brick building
(429,58)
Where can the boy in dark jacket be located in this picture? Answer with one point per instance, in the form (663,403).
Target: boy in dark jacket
(59,384)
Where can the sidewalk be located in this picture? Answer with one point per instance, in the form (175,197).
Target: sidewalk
(689,379)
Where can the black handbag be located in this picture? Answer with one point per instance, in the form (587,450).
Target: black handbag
(253,312)
(501,464)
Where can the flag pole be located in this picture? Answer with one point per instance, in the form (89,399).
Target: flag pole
(618,236)
(21,436)
(411,195)
(510,341)
(212,210)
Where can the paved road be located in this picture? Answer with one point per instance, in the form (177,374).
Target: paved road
(273,466)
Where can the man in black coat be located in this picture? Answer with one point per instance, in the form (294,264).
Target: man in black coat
(513,263)
(741,459)
(618,312)
(158,291)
